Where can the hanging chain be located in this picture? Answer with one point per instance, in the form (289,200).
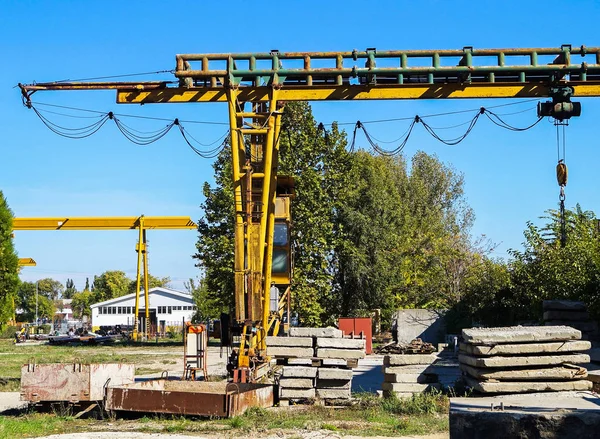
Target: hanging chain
(561,177)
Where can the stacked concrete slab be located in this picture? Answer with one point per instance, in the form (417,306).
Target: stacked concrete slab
(317,364)
(570,313)
(524,359)
(408,374)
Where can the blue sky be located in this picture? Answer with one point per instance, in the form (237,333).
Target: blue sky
(510,177)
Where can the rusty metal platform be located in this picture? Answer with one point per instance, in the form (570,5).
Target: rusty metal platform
(195,398)
(71,382)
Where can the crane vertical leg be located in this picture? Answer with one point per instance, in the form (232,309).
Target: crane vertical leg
(146,300)
(138,248)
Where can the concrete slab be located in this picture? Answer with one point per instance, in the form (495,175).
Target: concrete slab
(409,387)
(538,374)
(297,393)
(526,348)
(340,343)
(566,315)
(538,360)
(409,359)
(563,305)
(289,352)
(348,354)
(339,362)
(297,342)
(333,394)
(527,386)
(326,373)
(540,415)
(299,372)
(517,334)
(296,383)
(334,384)
(300,361)
(408,378)
(315,332)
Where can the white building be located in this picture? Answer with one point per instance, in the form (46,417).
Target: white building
(167,308)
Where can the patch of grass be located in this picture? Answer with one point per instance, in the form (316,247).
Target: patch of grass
(329,427)
(237,422)
(169,362)
(33,425)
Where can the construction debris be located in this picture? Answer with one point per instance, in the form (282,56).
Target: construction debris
(524,359)
(417,346)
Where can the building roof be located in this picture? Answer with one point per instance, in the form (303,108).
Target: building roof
(150,291)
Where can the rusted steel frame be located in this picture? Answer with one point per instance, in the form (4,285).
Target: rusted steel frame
(386,53)
(145,85)
(352,72)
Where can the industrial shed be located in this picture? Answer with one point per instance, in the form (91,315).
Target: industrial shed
(167,308)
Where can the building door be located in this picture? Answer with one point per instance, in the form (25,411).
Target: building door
(151,324)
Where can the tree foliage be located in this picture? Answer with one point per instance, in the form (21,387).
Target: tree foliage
(153,282)
(26,299)
(110,284)
(81,304)
(70,289)
(9,263)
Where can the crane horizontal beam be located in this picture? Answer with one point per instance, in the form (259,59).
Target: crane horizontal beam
(103,223)
(27,262)
(349,93)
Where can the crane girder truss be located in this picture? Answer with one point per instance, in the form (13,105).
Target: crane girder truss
(265,81)
(140,223)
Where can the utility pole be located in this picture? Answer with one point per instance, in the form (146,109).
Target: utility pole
(36,305)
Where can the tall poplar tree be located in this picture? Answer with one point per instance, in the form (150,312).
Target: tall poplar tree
(9,263)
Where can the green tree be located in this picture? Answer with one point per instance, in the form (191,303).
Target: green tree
(50,288)
(207,307)
(27,303)
(9,263)
(153,282)
(81,304)
(547,270)
(70,289)
(109,285)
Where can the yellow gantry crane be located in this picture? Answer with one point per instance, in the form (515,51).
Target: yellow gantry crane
(27,262)
(141,223)
(255,87)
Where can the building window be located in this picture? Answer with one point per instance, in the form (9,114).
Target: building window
(99,310)
(104,311)
(128,310)
(170,310)
(114,308)
(119,309)
(179,308)
(194,308)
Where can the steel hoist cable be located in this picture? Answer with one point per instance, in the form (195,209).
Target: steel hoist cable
(561,178)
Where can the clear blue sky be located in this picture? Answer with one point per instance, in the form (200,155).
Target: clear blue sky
(510,177)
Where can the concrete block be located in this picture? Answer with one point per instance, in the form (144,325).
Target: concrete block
(284,403)
(297,393)
(518,334)
(408,378)
(539,360)
(347,354)
(288,352)
(563,305)
(403,360)
(340,343)
(315,332)
(410,369)
(339,362)
(428,325)
(527,386)
(333,384)
(526,348)
(537,374)
(296,383)
(409,387)
(589,326)
(327,373)
(296,342)
(300,361)
(566,315)
(333,394)
(299,372)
